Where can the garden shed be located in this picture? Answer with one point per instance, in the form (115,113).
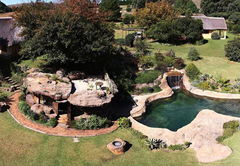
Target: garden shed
(213,24)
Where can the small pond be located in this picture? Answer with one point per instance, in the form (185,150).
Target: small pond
(179,110)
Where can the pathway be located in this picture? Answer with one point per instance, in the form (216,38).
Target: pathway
(58,131)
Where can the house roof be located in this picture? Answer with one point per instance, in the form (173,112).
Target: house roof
(8,34)
(212,23)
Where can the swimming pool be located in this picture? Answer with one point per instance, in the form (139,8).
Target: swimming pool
(179,110)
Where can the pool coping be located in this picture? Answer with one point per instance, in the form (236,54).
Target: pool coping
(181,135)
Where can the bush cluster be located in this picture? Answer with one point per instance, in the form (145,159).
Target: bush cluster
(155,144)
(192,71)
(176,147)
(215,36)
(92,123)
(3,96)
(140,137)
(148,77)
(193,54)
(229,128)
(123,122)
(39,118)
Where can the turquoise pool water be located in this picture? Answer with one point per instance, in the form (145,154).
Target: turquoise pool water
(179,110)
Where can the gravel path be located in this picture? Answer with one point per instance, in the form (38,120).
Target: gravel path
(59,131)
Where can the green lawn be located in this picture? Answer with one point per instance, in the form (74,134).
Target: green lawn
(33,63)
(21,146)
(213,59)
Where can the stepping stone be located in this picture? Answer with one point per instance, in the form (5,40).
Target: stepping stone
(75,140)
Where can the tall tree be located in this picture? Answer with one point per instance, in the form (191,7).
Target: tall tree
(185,5)
(155,12)
(111,8)
(72,33)
(4,8)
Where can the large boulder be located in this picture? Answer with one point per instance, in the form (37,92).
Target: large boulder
(48,85)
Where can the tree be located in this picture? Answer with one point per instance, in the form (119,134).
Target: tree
(232,50)
(72,33)
(128,18)
(164,31)
(190,28)
(111,8)
(192,7)
(185,28)
(155,12)
(4,8)
(141,3)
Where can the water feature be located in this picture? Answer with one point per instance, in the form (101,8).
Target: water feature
(179,110)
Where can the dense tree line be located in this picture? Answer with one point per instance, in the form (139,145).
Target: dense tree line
(224,7)
(184,6)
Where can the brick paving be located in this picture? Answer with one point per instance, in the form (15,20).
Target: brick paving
(59,131)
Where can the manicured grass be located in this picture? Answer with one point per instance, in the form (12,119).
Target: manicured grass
(33,63)
(21,146)
(212,53)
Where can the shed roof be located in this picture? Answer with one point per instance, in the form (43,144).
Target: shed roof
(8,34)
(212,23)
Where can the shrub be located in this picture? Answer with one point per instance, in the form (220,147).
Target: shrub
(147,61)
(43,118)
(192,71)
(93,122)
(3,96)
(128,9)
(205,85)
(215,36)
(161,66)
(52,122)
(148,77)
(231,124)
(141,46)
(229,128)
(176,147)
(123,122)
(24,107)
(232,50)
(179,63)
(129,39)
(155,143)
(169,61)
(171,53)
(193,54)
(159,56)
